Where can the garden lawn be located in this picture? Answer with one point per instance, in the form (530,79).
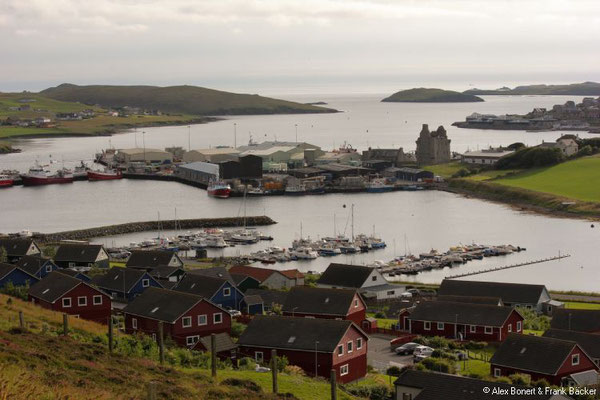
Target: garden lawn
(582,306)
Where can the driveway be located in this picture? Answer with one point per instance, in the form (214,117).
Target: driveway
(381,357)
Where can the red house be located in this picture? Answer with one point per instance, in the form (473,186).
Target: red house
(314,344)
(463,321)
(186,317)
(65,294)
(304,301)
(541,358)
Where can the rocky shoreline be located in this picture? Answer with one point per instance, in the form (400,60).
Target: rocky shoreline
(133,227)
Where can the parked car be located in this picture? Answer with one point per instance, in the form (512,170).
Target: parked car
(422,352)
(406,295)
(234,313)
(414,291)
(407,348)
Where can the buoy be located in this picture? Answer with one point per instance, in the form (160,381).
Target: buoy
(592,225)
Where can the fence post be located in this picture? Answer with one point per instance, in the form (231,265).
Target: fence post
(110,334)
(21,320)
(65,324)
(152,391)
(161,343)
(274,370)
(333,385)
(213,355)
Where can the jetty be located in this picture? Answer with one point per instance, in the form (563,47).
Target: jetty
(484,271)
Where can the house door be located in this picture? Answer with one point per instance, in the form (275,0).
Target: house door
(461,331)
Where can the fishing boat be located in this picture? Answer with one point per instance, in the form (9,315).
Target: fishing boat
(37,176)
(6,181)
(219,189)
(379,186)
(328,249)
(304,253)
(255,192)
(106,175)
(80,171)
(295,190)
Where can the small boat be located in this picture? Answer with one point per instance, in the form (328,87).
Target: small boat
(80,171)
(255,192)
(329,250)
(379,186)
(219,189)
(349,249)
(304,253)
(6,181)
(295,190)
(37,176)
(107,174)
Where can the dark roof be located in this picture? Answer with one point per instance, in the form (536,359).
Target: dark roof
(117,279)
(15,246)
(162,304)
(87,253)
(514,293)
(260,274)
(436,386)
(345,275)
(223,342)
(239,278)
(215,272)
(269,296)
(32,264)
(253,299)
(464,313)
(304,299)
(71,272)
(533,353)
(6,269)
(204,286)
(294,333)
(589,342)
(576,320)
(165,271)
(471,299)
(149,258)
(53,287)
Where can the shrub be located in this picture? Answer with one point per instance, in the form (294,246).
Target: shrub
(439,342)
(246,363)
(371,392)
(534,321)
(243,383)
(504,379)
(520,379)
(439,365)
(444,354)
(294,370)
(237,329)
(531,157)
(476,345)
(393,371)
(380,314)
(20,291)
(540,383)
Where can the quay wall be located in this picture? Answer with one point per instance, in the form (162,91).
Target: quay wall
(132,227)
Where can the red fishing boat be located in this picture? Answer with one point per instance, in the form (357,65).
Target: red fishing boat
(37,176)
(219,189)
(6,181)
(106,175)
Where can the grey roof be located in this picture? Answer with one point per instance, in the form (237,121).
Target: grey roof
(585,378)
(437,386)
(463,313)
(15,246)
(471,299)
(304,299)
(380,288)
(345,275)
(162,304)
(294,333)
(54,286)
(204,286)
(269,296)
(149,258)
(215,272)
(576,320)
(589,342)
(514,293)
(165,271)
(117,279)
(86,253)
(223,343)
(253,299)
(32,264)
(533,353)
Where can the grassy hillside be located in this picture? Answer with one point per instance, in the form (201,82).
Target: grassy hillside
(424,95)
(190,100)
(574,89)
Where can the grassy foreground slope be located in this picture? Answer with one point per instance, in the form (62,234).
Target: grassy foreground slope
(425,95)
(185,99)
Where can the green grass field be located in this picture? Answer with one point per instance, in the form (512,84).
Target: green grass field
(582,306)
(578,179)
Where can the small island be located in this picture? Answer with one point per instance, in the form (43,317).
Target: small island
(426,95)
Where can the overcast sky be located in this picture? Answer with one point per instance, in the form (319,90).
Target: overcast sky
(295,46)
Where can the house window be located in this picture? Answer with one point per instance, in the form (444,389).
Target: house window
(97,300)
(391,292)
(518,326)
(202,320)
(154,337)
(509,327)
(344,370)
(186,322)
(71,265)
(192,340)
(472,328)
(549,309)
(575,359)
(440,326)
(66,302)
(134,323)
(374,278)
(258,356)
(427,325)
(48,268)
(82,301)
(217,318)
(349,347)
(340,350)
(496,372)
(226,291)
(489,330)
(355,303)
(358,343)
(145,282)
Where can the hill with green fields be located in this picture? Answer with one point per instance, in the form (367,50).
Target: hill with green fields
(573,89)
(425,95)
(191,100)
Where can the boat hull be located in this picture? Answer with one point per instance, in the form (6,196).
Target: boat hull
(6,183)
(103,176)
(221,193)
(38,181)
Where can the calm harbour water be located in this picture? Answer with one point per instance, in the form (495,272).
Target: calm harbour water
(407,221)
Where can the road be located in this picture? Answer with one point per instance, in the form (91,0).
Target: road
(380,355)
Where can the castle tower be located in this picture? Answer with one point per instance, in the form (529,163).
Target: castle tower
(433,147)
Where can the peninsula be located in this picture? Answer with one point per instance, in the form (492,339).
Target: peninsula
(426,95)
(573,89)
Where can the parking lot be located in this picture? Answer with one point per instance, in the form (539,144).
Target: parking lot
(380,355)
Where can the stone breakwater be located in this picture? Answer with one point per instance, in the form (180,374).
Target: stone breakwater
(132,227)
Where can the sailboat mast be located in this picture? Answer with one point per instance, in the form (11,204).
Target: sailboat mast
(352,223)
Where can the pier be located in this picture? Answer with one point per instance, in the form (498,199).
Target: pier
(484,271)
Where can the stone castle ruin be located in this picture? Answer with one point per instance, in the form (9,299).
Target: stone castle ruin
(433,147)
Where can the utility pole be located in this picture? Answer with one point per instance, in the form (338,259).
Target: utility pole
(274,370)
(213,355)
(144,143)
(161,343)
(235,135)
(333,385)
(110,334)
